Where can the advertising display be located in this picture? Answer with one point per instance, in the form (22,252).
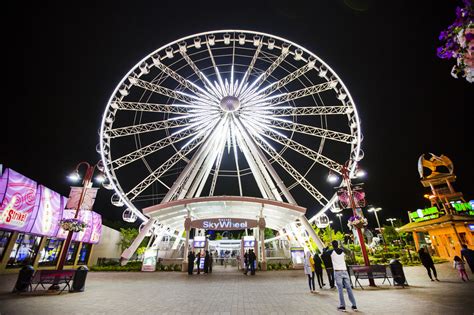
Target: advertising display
(149,259)
(96,228)
(199,242)
(3,183)
(322,221)
(84,236)
(18,204)
(49,213)
(75,196)
(297,255)
(425,214)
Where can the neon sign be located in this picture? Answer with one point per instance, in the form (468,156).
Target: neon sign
(424,214)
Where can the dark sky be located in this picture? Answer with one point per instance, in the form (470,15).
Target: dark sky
(64,61)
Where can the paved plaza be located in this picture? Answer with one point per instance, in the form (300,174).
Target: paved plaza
(228,292)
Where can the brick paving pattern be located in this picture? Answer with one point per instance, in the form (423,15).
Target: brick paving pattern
(228,292)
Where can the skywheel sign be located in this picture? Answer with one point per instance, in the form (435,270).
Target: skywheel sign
(224,224)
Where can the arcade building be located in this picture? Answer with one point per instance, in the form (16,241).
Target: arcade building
(30,231)
(449,221)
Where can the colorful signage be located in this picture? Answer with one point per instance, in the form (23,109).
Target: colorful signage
(464,208)
(149,259)
(471,227)
(297,255)
(199,242)
(31,208)
(425,214)
(18,204)
(49,213)
(225,224)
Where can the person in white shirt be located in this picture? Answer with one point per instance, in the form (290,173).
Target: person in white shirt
(341,276)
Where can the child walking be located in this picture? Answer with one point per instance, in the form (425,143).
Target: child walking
(459,265)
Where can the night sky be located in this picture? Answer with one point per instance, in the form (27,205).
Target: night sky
(64,61)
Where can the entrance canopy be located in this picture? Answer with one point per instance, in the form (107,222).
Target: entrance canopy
(277,214)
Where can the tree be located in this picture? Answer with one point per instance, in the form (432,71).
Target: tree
(268,233)
(390,233)
(127,236)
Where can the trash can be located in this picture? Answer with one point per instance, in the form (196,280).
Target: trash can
(79,280)
(24,279)
(397,273)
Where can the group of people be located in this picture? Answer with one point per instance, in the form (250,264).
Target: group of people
(459,262)
(250,260)
(196,258)
(335,262)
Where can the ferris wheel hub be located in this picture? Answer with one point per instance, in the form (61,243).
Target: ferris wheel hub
(230,103)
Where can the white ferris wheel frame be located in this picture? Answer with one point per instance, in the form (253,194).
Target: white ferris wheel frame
(356,152)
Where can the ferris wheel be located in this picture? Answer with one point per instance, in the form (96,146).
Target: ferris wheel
(227,112)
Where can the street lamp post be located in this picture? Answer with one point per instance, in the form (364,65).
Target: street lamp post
(86,184)
(391,220)
(345,172)
(375,210)
(340,221)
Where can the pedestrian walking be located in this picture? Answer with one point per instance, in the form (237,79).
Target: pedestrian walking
(318,269)
(206,262)
(246,263)
(459,266)
(252,261)
(191,258)
(198,262)
(309,270)
(210,262)
(468,255)
(326,258)
(338,259)
(427,262)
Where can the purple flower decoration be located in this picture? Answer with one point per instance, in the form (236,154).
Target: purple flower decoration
(456,42)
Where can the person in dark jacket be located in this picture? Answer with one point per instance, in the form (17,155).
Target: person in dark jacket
(318,269)
(326,258)
(198,262)
(252,260)
(427,262)
(468,255)
(191,258)
(246,263)
(210,262)
(206,262)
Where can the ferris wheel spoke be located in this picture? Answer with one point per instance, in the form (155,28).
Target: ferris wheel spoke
(272,134)
(287,79)
(152,148)
(147,127)
(184,82)
(287,97)
(163,168)
(151,107)
(291,171)
(180,96)
(302,111)
(264,76)
(250,68)
(310,130)
(207,84)
(216,69)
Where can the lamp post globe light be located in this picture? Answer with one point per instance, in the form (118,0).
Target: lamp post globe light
(350,168)
(87,182)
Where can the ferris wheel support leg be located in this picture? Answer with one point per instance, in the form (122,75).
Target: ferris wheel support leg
(312,233)
(128,253)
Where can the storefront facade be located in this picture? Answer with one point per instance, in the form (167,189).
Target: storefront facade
(443,234)
(30,233)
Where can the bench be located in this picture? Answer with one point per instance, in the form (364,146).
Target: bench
(42,277)
(369,272)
